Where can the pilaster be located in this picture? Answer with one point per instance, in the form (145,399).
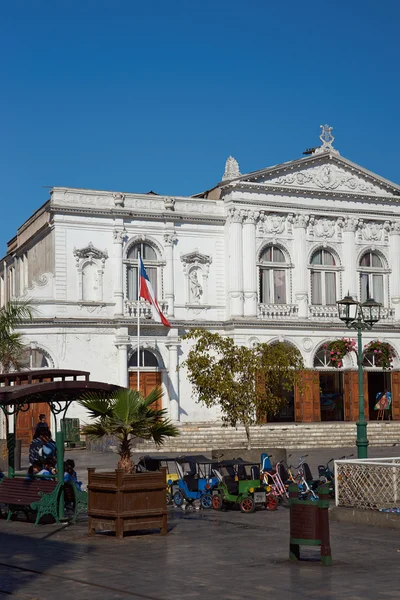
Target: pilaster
(249,264)
(169,288)
(173,345)
(118,273)
(300,280)
(350,280)
(235,220)
(394,251)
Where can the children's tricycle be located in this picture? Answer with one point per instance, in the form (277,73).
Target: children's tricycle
(239,485)
(196,480)
(154,463)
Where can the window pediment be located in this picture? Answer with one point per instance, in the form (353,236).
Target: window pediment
(90,252)
(196,258)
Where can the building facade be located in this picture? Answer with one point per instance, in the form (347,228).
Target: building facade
(259,257)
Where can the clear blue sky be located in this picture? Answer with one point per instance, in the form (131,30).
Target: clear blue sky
(133,96)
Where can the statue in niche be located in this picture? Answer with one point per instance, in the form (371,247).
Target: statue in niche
(196,291)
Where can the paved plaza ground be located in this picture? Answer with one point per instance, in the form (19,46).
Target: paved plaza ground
(227,555)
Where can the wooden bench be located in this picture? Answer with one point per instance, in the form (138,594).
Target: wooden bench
(41,496)
(30,495)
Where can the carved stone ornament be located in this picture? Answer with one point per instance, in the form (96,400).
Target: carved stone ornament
(326,177)
(119,199)
(301,220)
(272,224)
(327,140)
(372,231)
(169,203)
(195,258)
(231,169)
(170,239)
(395,227)
(235,215)
(119,236)
(323,228)
(350,224)
(90,252)
(251,216)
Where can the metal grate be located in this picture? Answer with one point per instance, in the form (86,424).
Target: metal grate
(368,483)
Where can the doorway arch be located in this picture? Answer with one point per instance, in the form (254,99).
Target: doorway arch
(151,369)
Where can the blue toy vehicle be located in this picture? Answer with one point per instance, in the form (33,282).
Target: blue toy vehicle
(196,480)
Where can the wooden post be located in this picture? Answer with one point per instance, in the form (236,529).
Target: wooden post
(119,526)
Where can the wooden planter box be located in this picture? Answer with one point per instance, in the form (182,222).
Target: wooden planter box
(120,502)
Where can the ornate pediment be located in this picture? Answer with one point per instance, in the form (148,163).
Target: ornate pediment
(196,258)
(90,252)
(322,173)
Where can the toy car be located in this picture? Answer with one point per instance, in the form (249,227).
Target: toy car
(239,485)
(154,463)
(196,480)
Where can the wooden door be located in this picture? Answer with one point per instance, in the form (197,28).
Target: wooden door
(148,381)
(307,405)
(26,421)
(396,395)
(351,395)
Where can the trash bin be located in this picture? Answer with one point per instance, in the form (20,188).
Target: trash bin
(71,431)
(309,523)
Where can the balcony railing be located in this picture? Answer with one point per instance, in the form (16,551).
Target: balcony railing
(277,311)
(319,311)
(133,306)
(329,313)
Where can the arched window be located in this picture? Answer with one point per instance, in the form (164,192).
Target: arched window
(331,385)
(323,278)
(35,358)
(147,359)
(273,270)
(371,277)
(150,261)
(322,358)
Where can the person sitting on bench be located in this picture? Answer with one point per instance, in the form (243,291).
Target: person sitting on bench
(34,469)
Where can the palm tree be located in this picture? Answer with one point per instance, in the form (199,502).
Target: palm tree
(12,348)
(127,415)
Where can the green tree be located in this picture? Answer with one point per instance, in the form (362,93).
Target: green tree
(12,348)
(127,415)
(246,383)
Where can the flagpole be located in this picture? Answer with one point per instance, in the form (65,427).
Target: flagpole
(138,325)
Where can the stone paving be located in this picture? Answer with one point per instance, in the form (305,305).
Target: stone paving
(226,555)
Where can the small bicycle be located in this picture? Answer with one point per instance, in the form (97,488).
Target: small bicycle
(277,489)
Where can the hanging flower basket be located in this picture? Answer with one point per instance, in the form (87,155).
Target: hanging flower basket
(338,349)
(382,353)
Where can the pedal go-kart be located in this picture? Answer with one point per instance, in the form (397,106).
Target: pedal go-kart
(239,485)
(155,463)
(196,480)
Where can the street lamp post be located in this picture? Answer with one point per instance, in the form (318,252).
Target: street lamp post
(360,316)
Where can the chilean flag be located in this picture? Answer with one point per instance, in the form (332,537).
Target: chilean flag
(147,293)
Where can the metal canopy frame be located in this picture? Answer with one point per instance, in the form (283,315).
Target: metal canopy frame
(56,387)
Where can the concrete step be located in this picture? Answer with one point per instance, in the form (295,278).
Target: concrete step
(208,436)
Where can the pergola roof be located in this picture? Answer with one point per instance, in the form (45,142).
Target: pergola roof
(47,385)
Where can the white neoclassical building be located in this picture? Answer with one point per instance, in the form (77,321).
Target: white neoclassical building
(261,256)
